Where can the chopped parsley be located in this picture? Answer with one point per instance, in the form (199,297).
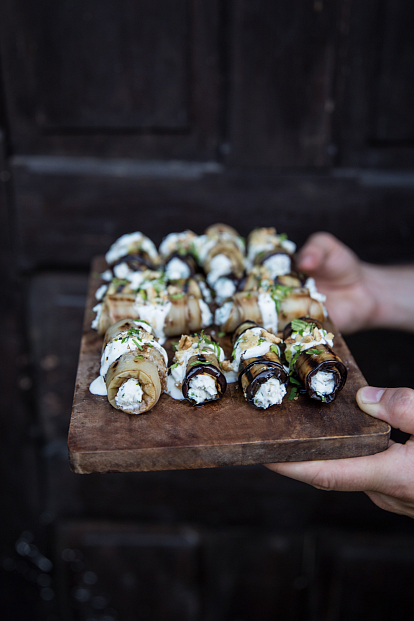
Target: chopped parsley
(313,350)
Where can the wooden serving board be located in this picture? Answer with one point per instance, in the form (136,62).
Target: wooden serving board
(176,435)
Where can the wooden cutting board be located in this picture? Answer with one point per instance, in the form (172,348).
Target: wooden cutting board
(175,435)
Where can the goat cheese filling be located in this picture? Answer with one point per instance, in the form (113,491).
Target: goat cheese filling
(323,383)
(269,393)
(224,288)
(129,395)
(122,246)
(220,265)
(176,269)
(202,387)
(278,265)
(178,370)
(223,313)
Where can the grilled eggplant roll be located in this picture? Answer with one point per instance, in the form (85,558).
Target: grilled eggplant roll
(136,244)
(176,252)
(309,353)
(272,309)
(171,311)
(261,374)
(220,252)
(275,252)
(195,374)
(133,370)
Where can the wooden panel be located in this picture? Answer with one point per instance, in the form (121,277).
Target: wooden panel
(66,216)
(140,78)
(372,125)
(394,97)
(129,572)
(175,435)
(282,62)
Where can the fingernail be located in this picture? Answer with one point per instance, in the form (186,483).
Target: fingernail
(369,394)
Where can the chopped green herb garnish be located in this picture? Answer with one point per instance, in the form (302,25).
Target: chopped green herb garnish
(137,344)
(274,349)
(199,362)
(293,380)
(283,237)
(174,366)
(298,325)
(293,392)
(176,296)
(312,350)
(221,334)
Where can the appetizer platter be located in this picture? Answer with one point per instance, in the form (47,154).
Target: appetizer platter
(211,351)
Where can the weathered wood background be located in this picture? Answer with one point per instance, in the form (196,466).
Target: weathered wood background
(159,116)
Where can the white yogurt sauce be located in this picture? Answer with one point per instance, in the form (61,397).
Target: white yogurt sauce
(206,314)
(288,245)
(223,313)
(155,314)
(278,265)
(107,275)
(323,382)
(98,387)
(122,271)
(205,291)
(121,247)
(310,285)
(270,393)
(268,311)
(202,387)
(101,292)
(251,352)
(129,395)
(176,269)
(173,241)
(98,310)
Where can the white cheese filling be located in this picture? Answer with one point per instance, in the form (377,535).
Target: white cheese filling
(178,370)
(269,393)
(323,382)
(121,247)
(177,269)
(268,311)
(129,395)
(278,265)
(223,313)
(224,288)
(205,291)
(220,265)
(202,387)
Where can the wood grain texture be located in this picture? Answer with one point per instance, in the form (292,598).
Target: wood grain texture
(175,435)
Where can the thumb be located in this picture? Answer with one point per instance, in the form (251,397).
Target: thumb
(394,405)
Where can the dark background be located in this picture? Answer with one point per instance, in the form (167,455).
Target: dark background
(157,116)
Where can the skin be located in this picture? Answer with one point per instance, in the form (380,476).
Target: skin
(361,296)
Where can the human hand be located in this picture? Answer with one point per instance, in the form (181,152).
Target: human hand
(343,278)
(387,477)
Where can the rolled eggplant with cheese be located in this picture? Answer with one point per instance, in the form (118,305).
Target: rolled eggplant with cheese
(195,374)
(257,360)
(274,252)
(272,308)
(133,372)
(136,245)
(176,252)
(312,360)
(220,252)
(170,310)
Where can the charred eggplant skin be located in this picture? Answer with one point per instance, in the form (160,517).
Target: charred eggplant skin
(255,372)
(242,327)
(197,365)
(307,365)
(135,262)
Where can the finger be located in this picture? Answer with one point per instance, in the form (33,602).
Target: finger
(373,472)
(394,405)
(313,253)
(326,258)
